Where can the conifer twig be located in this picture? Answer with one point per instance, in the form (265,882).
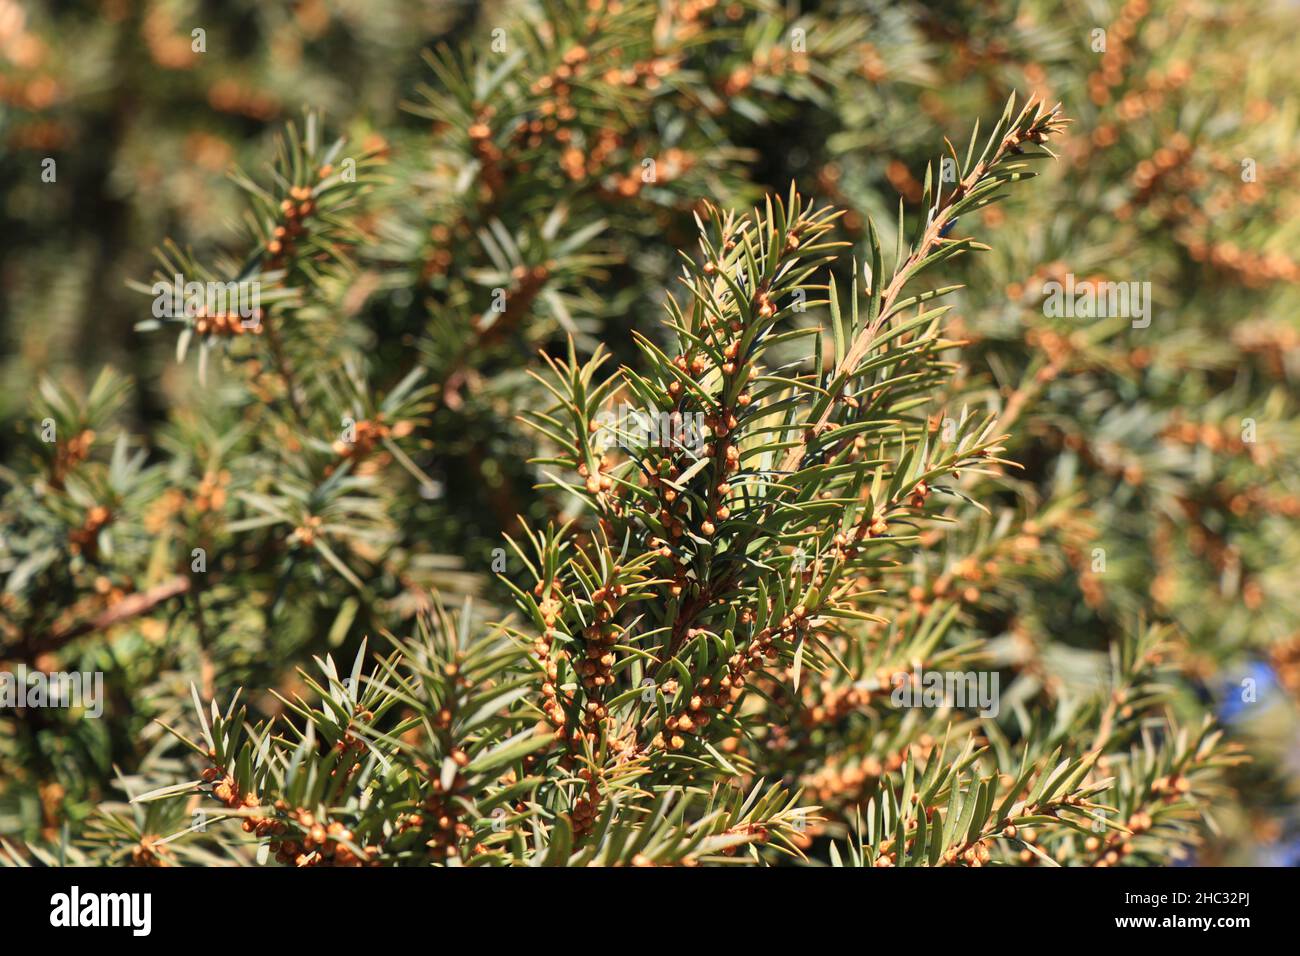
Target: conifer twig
(132,605)
(1029,127)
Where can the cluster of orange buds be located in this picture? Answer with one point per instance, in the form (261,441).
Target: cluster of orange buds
(830,703)
(1092,587)
(150,851)
(349,740)
(989,51)
(974,854)
(587,804)
(1156,85)
(1166,170)
(722,422)
(1253,269)
(549,660)
(557,80)
(440,256)
(293,211)
(559,108)
(688,17)
(169,47)
(532,133)
(550,605)
(969,570)
(442,818)
(737,81)
(596,667)
(22,47)
(1059,349)
(598,482)
(211,495)
(621,742)
(1109,849)
(873,524)
(227,95)
(227,324)
(409,821)
(1028,542)
(846,547)
(1216,438)
(160,512)
(305,534)
(530,279)
(777,60)
(322,843)
(870,64)
(491,177)
(1276,176)
(85,539)
(1183,199)
(1171,788)
(579,166)
(226,790)
(920,597)
(594,724)
(756,832)
(556,112)
(68,455)
(666,167)
(765,644)
(672,163)
(719,505)
(919,493)
(367,434)
(648,74)
(35,93)
(850,782)
(694,717)
(1116,56)
(1135,104)
(1207,544)
(731,686)
(671,507)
